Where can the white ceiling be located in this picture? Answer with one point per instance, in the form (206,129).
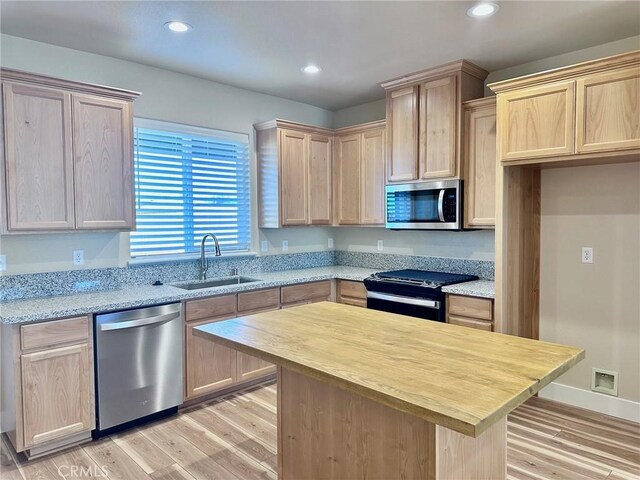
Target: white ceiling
(262,45)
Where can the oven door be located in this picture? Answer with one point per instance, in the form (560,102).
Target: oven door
(413,307)
(429,205)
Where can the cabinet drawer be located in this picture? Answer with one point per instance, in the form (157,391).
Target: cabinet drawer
(212,307)
(258,300)
(306,291)
(470,307)
(470,322)
(57,332)
(352,289)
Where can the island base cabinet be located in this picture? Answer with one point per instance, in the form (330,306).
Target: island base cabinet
(362,439)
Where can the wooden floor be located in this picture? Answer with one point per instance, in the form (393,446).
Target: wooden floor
(235,438)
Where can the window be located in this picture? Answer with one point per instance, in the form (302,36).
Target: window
(189,181)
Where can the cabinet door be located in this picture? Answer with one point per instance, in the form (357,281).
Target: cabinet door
(293,175)
(209,365)
(57,393)
(39,159)
(480,160)
(608,111)
(402,125)
(103,151)
(438,128)
(537,122)
(320,180)
(348,181)
(372,177)
(250,367)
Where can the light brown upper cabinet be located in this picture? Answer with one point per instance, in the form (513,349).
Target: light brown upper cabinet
(294,174)
(67,156)
(480,163)
(608,111)
(424,121)
(103,142)
(402,122)
(38,158)
(360,174)
(586,111)
(537,122)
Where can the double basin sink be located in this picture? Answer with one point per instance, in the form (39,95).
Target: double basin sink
(215,282)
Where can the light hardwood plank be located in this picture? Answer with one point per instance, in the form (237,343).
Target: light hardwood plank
(546,440)
(143,451)
(117,464)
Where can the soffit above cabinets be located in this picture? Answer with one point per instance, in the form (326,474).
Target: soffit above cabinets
(262,46)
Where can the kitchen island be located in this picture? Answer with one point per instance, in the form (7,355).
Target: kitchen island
(368,394)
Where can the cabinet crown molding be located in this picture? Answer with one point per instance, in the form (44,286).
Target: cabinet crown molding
(479,103)
(432,73)
(360,127)
(9,74)
(289,125)
(624,60)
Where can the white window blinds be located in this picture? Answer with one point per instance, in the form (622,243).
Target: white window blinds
(189,181)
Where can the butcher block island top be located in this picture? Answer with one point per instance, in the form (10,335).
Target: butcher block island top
(456,377)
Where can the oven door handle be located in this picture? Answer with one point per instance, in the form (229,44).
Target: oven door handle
(441,205)
(420,302)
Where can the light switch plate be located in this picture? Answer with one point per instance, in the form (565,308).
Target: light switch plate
(3,263)
(264,246)
(587,255)
(380,245)
(285,245)
(78,257)
(330,243)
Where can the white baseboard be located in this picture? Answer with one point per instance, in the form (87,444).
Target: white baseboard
(598,402)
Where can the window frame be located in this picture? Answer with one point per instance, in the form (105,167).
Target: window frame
(184,129)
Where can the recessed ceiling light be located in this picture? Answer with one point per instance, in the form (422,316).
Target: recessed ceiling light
(178,27)
(311,69)
(484,9)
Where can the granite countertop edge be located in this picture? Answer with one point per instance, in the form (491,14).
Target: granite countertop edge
(46,308)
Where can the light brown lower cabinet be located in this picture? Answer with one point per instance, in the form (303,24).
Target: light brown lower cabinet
(47,384)
(351,293)
(473,312)
(209,366)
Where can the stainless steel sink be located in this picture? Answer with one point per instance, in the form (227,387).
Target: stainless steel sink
(214,282)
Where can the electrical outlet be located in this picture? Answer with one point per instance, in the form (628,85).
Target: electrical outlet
(285,245)
(3,263)
(330,243)
(604,381)
(264,246)
(78,257)
(587,255)
(380,245)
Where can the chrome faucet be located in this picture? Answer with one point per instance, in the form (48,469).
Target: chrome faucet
(204,265)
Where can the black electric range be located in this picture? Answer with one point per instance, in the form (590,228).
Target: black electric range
(417,293)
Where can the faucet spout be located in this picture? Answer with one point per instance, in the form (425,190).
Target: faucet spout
(204,265)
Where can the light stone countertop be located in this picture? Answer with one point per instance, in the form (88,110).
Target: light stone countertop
(477,288)
(43,308)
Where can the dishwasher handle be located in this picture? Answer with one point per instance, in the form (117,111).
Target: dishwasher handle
(140,322)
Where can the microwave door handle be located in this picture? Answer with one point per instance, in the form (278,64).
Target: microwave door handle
(441,205)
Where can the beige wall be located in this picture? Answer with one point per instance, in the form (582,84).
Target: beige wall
(363,113)
(477,245)
(594,306)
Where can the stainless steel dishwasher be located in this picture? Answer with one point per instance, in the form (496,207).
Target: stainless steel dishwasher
(139,373)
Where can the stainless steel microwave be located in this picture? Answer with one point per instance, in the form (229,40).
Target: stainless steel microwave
(425,205)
